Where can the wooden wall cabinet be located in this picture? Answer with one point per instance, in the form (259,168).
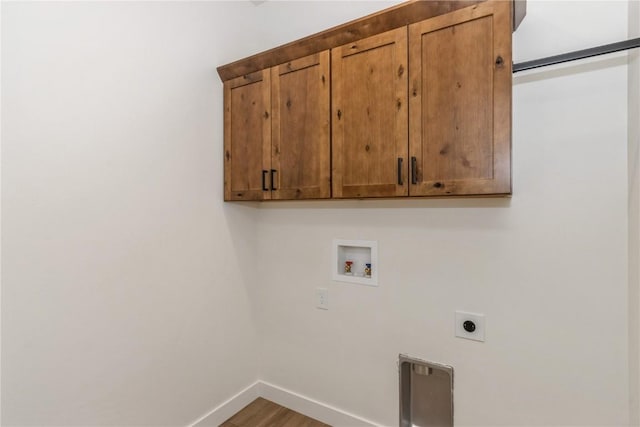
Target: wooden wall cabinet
(247,136)
(277,132)
(408,107)
(460,102)
(369,96)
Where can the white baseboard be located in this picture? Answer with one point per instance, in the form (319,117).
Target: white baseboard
(297,402)
(312,408)
(225,410)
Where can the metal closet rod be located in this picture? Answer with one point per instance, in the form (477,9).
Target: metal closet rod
(578,54)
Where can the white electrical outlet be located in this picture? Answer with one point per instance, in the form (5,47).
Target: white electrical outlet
(470,326)
(322,298)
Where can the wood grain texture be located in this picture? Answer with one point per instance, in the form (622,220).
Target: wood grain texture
(247,136)
(460,103)
(369,113)
(441,94)
(263,413)
(385,20)
(457,111)
(300,146)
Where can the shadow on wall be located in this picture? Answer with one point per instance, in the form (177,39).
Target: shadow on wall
(241,234)
(241,228)
(417,214)
(405,203)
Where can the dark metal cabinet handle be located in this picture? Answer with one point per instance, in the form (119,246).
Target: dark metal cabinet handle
(414,170)
(264,180)
(273,186)
(400,171)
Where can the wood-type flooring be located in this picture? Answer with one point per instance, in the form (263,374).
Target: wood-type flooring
(264,413)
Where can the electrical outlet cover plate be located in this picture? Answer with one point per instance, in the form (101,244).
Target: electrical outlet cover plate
(322,298)
(478,319)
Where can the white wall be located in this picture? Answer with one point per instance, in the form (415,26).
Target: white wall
(547,267)
(125,284)
(133,295)
(634,214)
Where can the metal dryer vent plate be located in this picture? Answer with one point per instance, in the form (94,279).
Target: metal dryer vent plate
(426,393)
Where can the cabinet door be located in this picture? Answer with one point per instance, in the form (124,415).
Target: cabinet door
(460,102)
(247,137)
(300,147)
(369,124)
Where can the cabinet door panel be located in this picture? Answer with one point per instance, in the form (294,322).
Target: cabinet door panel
(460,106)
(300,128)
(369,128)
(247,136)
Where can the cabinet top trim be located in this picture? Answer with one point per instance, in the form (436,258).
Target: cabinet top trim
(388,19)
